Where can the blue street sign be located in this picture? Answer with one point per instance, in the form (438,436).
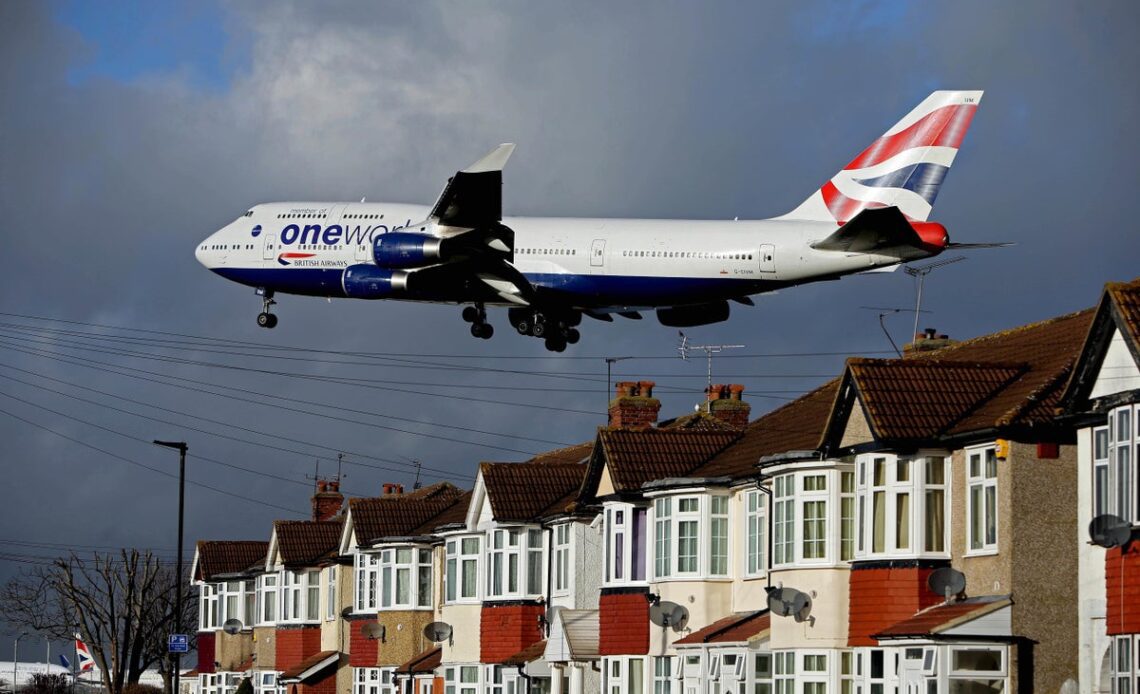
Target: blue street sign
(179,643)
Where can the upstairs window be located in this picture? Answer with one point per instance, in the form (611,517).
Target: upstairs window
(367,569)
(267,599)
(462,569)
(1100,505)
(783,520)
(756,524)
(624,544)
(901,505)
(331,606)
(208,607)
(300,596)
(981,511)
(1123,451)
(562,558)
(514,563)
(405,578)
(691,536)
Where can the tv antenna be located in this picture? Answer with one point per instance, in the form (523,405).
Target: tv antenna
(883,313)
(610,361)
(684,348)
(920,272)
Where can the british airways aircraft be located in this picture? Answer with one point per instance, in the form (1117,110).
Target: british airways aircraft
(871,216)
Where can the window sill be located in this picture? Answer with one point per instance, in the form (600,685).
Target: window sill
(981,553)
(692,579)
(464,601)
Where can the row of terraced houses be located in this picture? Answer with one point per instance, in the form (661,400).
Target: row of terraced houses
(642,561)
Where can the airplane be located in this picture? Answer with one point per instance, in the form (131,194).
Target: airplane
(550,272)
(25,671)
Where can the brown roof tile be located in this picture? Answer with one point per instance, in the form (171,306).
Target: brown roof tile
(309,663)
(307,543)
(939,618)
(527,491)
(403,515)
(219,557)
(702,421)
(560,456)
(1126,298)
(735,628)
(634,457)
(796,426)
(529,654)
(423,663)
(453,515)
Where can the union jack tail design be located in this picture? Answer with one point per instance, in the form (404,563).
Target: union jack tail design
(86,662)
(903,168)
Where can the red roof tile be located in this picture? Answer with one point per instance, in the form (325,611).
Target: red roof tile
(403,515)
(735,628)
(634,457)
(423,663)
(1125,297)
(1119,309)
(309,663)
(527,491)
(307,543)
(529,654)
(939,618)
(219,557)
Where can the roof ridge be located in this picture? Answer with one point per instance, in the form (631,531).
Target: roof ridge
(963,363)
(925,356)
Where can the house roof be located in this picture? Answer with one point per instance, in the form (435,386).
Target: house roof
(528,491)
(456,514)
(939,618)
(423,663)
(795,426)
(307,543)
(403,515)
(576,453)
(636,456)
(1119,309)
(529,654)
(310,666)
(699,420)
(221,557)
(741,627)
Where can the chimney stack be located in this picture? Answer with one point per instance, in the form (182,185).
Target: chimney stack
(328,500)
(726,403)
(391,488)
(634,406)
(927,341)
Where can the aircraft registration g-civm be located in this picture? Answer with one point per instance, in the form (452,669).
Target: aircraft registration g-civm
(872,215)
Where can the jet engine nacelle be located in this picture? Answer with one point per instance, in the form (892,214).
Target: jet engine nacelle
(688,316)
(371,282)
(400,249)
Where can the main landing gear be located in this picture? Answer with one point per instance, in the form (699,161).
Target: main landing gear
(265,319)
(477,316)
(556,331)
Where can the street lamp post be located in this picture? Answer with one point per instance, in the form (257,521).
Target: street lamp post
(16,658)
(181,447)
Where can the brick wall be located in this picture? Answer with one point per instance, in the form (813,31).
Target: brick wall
(206,654)
(1122,589)
(327,685)
(623,622)
(362,651)
(507,628)
(296,644)
(883,595)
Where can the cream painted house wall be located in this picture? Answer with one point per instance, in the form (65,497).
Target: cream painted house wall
(706,601)
(830,589)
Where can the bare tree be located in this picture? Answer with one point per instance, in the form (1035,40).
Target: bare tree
(122,604)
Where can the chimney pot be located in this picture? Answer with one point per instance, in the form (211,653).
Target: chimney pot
(634,406)
(930,333)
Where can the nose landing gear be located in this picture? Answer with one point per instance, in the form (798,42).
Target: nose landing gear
(265,319)
(477,316)
(555,331)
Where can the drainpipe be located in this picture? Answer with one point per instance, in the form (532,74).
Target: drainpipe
(549,562)
(522,674)
(768,517)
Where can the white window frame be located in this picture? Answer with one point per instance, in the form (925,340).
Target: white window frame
(562,538)
(1124,470)
(1002,673)
(756,534)
(265,682)
(415,562)
(461,552)
(527,548)
(462,679)
(617,673)
(813,499)
(366,575)
(268,586)
(759,671)
(719,535)
(1124,665)
(784,672)
(901,477)
(297,592)
(208,608)
(501,679)
(667,520)
(848,525)
(624,558)
(663,674)
(979,478)
(373,680)
(784,520)
(1101,496)
(813,678)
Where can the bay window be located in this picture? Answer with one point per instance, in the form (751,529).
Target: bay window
(1123,451)
(1125,664)
(561,551)
(267,599)
(663,675)
(514,563)
(783,520)
(462,569)
(373,680)
(846,516)
(718,535)
(663,536)
(235,600)
(760,674)
(623,674)
(300,595)
(367,569)
(784,674)
(1100,505)
(461,679)
(813,504)
(208,607)
(330,593)
(690,536)
(405,578)
(688,520)
(624,544)
(977,669)
(900,505)
(757,527)
(981,506)
(502,679)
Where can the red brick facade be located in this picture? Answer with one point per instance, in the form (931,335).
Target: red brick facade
(623,623)
(362,651)
(882,596)
(206,654)
(294,645)
(327,685)
(1122,589)
(634,407)
(506,629)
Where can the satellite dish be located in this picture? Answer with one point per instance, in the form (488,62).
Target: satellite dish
(232,626)
(372,631)
(437,632)
(789,602)
(1110,531)
(669,614)
(947,582)
(346,612)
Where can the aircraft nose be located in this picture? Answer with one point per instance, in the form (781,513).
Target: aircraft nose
(200,253)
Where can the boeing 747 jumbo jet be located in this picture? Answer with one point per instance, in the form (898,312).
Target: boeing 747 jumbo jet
(872,215)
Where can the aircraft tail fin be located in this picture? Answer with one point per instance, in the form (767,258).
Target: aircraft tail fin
(903,168)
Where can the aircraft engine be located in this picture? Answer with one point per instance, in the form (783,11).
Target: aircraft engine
(371,282)
(400,249)
(698,314)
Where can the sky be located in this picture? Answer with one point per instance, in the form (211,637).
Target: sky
(130,131)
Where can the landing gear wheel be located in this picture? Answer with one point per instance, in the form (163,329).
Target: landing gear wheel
(538,329)
(572,336)
(470,314)
(266,320)
(476,330)
(487,331)
(555,344)
(272,321)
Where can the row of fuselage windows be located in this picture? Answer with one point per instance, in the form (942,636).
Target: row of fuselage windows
(695,255)
(546,251)
(228,247)
(323,215)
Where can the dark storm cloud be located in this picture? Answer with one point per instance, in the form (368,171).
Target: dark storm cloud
(675,110)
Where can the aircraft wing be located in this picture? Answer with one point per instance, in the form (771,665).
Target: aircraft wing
(473,197)
(872,229)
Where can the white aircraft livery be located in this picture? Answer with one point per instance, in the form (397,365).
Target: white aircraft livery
(872,215)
